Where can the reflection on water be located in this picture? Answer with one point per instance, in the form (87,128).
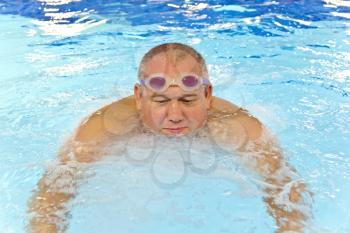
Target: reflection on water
(57,2)
(336,3)
(65,23)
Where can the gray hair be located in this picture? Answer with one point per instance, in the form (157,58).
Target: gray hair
(167,47)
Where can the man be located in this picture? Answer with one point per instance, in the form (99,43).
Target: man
(174,98)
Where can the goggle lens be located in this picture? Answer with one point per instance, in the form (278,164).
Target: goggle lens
(190,81)
(157,83)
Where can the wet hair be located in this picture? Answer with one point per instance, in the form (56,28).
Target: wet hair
(172,47)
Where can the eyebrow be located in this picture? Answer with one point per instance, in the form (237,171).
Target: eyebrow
(158,95)
(189,95)
(184,96)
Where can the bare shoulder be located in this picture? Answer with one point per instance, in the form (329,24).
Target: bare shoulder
(234,128)
(99,128)
(227,115)
(222,105)
(109,121)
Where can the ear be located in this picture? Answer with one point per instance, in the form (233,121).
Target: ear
(208,96)
(137,95)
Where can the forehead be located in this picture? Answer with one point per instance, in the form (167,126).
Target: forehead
(175,61)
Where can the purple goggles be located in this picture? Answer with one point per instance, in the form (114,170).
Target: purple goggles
(159,82)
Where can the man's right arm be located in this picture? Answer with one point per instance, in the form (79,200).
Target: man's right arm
(48,206)
(48,209)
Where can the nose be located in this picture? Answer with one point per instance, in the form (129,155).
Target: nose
(175,112)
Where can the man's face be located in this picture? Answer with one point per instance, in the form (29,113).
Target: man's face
(174,112)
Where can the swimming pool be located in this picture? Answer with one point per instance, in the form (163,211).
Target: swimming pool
(287,62)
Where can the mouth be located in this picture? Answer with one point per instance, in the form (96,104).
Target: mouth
(176,131)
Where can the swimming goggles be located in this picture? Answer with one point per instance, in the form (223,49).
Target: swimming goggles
(160,82)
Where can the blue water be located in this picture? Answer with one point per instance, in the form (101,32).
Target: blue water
(287,62)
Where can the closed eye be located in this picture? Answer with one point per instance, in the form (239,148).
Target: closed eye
(187,100)
(160,100)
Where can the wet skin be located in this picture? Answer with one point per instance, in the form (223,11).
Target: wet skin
(176,113)
(173,112)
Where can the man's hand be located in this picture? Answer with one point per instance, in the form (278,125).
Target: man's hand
(47,208)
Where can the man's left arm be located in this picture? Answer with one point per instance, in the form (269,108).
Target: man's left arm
(286,196)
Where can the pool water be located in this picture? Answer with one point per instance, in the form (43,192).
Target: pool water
(287,62)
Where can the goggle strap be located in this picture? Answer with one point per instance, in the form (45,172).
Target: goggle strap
(206,81)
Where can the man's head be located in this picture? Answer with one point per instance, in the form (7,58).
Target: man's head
(175,94)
